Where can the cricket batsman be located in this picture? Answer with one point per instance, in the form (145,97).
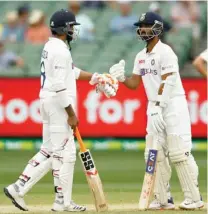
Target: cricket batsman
(57,108)
(168,121)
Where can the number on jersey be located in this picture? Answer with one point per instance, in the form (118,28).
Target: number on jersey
(42,77)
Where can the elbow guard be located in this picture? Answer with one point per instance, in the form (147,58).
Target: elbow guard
(169,84)
(64,98)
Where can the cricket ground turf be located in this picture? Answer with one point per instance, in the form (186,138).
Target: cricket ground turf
(122,175)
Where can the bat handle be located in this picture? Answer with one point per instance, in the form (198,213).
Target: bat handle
(79,139)
(155,142)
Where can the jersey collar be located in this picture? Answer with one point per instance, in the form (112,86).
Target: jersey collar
(154,50)
(59,41)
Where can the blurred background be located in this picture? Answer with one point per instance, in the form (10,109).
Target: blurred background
(106,35)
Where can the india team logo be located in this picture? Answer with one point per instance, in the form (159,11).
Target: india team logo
(52,24)
(142,18)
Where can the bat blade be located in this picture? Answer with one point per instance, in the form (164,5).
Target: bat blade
(98,193)
(149,180)
(94,181)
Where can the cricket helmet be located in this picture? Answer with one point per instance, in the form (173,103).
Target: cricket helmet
(62,22)
(153,21)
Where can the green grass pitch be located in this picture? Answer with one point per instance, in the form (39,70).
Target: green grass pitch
(122,175)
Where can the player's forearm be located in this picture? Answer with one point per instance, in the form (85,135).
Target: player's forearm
(160,92)
(70,110)
(200,66)
(84,75)
(202,69)
(132,82)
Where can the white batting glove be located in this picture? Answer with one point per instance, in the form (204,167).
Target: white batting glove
(95,79)
(108,90)
(108,85)
(157,119)
(118,71)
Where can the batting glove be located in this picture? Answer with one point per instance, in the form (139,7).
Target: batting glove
(118,71)
(108,85)
(156,119)
(95,79)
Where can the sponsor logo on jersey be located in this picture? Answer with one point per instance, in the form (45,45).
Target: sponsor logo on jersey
(145,71)
(59,67)
(141,61)
(167,67)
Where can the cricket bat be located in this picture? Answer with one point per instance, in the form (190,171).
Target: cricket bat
(149,180)
(92,175)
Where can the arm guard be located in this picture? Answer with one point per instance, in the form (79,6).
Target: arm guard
(169,84)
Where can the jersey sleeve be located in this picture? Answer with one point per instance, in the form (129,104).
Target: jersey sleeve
(204,55)
(77,72)
(169,62)
(60,68)
(136,69)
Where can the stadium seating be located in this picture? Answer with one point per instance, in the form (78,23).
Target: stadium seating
(181,42)
(107,49)
(14,47)
(14,72)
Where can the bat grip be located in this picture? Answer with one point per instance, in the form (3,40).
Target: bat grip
(155,142)
(79,139)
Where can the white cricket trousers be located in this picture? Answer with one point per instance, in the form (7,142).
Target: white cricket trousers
(56,132)
(58,136)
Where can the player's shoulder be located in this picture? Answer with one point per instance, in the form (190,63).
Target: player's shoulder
(55,48)
(166,50)
(141,53)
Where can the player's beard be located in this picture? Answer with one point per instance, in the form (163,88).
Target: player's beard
(68,39)
(149,40)
(147,36)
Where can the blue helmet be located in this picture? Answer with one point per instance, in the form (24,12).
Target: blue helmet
(61,23)
(151,21)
